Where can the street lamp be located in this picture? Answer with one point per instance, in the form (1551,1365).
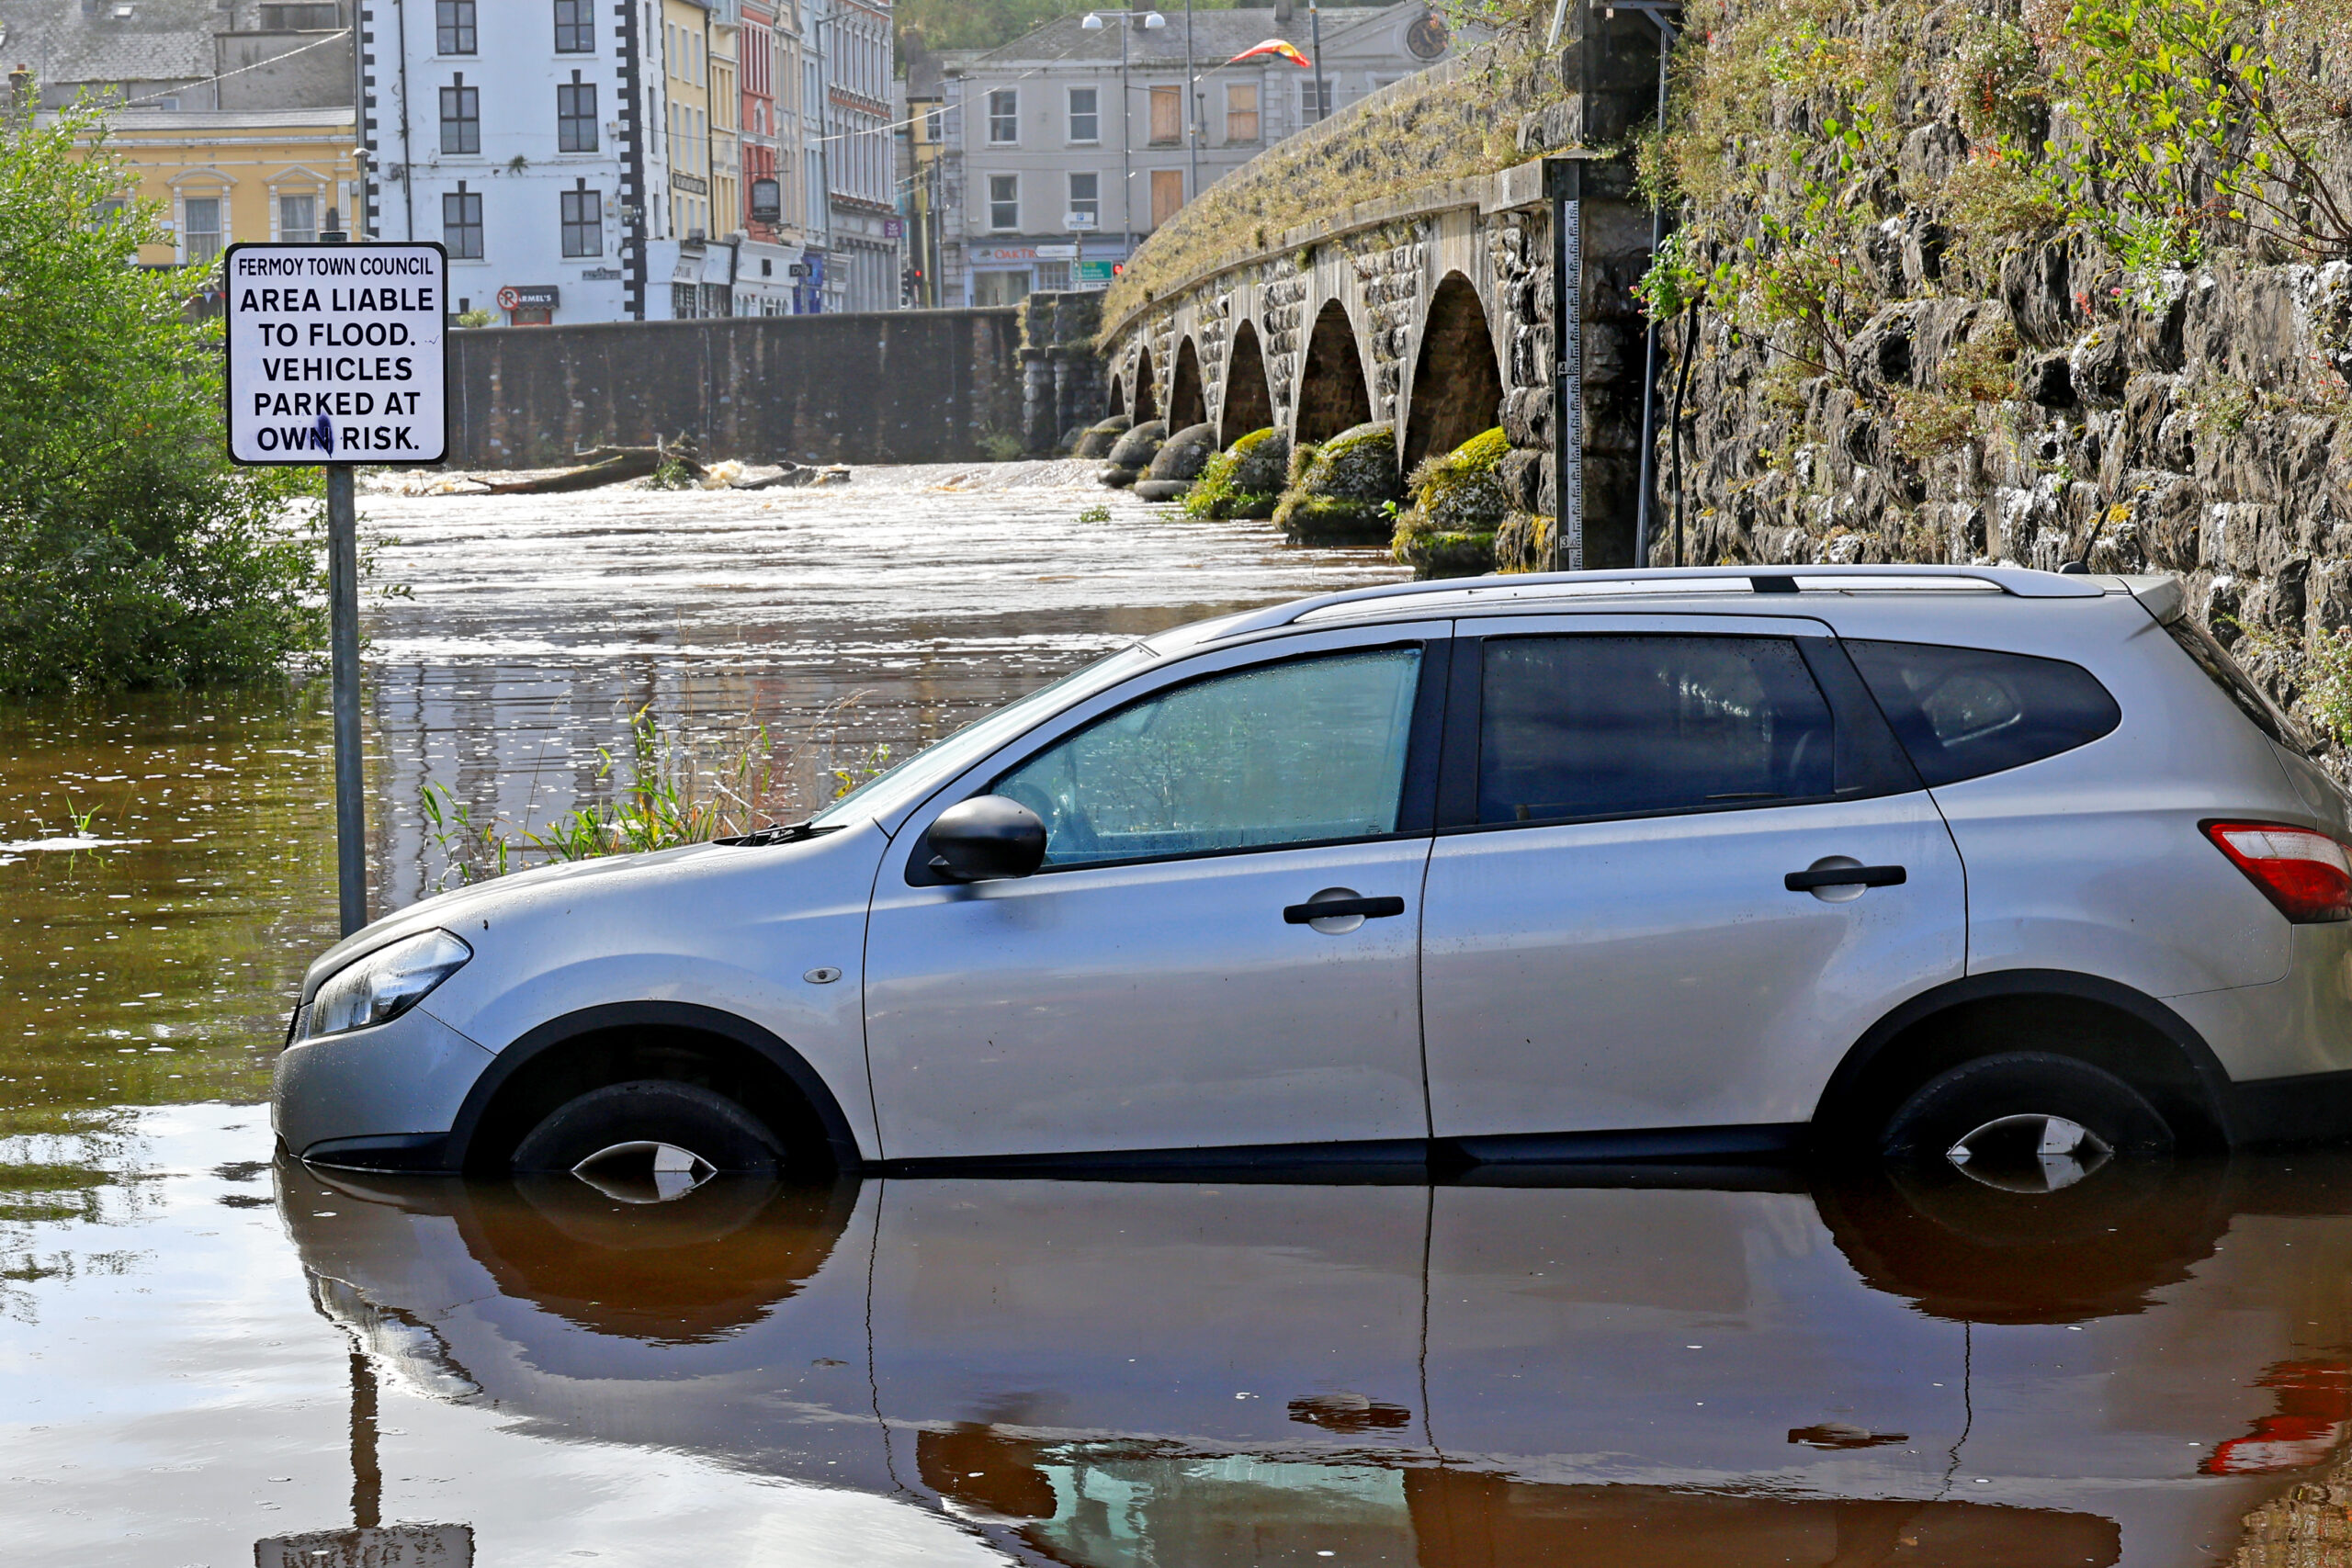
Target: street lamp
(1152,21)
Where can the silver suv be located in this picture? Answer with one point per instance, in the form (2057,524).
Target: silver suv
(2001,866)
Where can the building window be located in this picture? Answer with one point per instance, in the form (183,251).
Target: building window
(1085,114)
(1166,193)
(1085,199)
(1004,202)
(201,225)
(453,27)
(298,219)
(460,118)
(583,221)
(1307,102)
(1241,111)
(575,27)
(1167,116)
(575,116)
(461,222)
(1004,117)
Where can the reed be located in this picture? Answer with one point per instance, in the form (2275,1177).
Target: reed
(667,789)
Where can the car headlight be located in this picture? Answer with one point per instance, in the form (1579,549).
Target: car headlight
(385,984)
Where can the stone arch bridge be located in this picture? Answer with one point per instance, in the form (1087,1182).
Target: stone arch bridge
(1430,310)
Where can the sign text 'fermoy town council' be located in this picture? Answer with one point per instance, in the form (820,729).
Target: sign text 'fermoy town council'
(337,353)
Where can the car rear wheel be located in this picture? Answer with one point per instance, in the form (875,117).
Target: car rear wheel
(2027,1121)
(649,1139)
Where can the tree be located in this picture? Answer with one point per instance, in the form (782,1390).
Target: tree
(131,552)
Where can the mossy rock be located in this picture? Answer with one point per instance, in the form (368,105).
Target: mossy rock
(1261,461)
(1523,543)
(1133,453)
(1246,479)
(1340,493)
(1459,502)
(1180,461)
(1446,555)
(1098,439)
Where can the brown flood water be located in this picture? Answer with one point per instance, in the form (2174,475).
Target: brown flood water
(209,1357)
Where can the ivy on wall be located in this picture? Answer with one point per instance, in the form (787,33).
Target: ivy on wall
(2152,129)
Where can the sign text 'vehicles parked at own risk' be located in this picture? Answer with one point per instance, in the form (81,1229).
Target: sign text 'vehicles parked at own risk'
(336,353)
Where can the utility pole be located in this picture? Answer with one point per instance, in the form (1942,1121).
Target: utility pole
(1191,106)
(1645,523)
(1126,139)
(1322,97)
(342,648)
(1151,21)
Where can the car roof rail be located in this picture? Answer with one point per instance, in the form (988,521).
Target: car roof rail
(2020,582)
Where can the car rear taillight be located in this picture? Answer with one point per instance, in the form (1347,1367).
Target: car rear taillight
(2305,873)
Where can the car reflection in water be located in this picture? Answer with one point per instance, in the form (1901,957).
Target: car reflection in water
(1717,1368)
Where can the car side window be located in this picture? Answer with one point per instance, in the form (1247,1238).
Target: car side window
(1592,726)
(1299,753)
(1965,712)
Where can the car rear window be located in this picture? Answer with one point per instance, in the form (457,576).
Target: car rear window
(1598,726)
(2236,684)
(1965,712)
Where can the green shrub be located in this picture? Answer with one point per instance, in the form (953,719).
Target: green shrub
(1929,424)
(131,552)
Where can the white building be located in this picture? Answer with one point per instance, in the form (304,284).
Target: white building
(511,131)
(616,160)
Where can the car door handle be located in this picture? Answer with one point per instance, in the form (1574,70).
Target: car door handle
(1332,908)
(1846,877)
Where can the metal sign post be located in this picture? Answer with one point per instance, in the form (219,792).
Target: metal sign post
(1563,186)
(338,353)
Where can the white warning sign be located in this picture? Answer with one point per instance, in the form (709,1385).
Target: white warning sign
(337,354)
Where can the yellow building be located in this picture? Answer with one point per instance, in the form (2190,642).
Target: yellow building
(224,176)
(687,71)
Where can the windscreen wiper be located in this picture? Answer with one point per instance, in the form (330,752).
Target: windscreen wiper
(779,833)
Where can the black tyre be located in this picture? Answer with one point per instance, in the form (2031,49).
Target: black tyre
(2007,1116)
(625,1122)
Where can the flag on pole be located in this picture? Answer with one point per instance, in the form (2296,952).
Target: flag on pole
(1277,48)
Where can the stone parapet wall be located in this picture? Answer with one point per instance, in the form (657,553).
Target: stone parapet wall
(907,387)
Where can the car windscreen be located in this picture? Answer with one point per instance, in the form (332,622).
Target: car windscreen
(1965,712)
(904,784)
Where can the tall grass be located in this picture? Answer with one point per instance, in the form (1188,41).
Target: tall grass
(667,789)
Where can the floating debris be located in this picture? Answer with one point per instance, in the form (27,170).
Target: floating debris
(69,844)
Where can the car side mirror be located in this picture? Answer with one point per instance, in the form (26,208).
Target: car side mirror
(986,838)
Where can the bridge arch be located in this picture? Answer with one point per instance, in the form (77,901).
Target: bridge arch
(1186,405)
(1333,394)
(1249,397)
(1457,390)
(1144,399)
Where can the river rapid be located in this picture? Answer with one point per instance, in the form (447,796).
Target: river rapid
(209,1356)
